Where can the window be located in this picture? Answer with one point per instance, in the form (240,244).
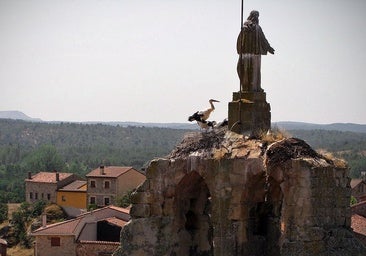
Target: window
(106,201)
(92,200)
(106,184)
(55,241)
(48,197)
(63,198)
(36,196)
(30,195)
(92,184)
(42,195)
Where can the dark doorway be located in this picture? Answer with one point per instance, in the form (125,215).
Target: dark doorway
(193,213)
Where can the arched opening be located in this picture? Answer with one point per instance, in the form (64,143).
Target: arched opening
(262,202)
(193,216)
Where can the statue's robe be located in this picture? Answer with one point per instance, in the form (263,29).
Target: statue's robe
(251,44)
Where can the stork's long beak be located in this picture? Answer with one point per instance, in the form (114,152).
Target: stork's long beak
(212,100)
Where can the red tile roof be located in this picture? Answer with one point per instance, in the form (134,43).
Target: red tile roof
(103,213)
(116,221)
(74,226)
(109,171)
(355,182)
(61,228)
(358,224)
(77,185)
(99,242)
(48,177)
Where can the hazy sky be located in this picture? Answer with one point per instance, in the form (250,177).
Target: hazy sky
(161,60)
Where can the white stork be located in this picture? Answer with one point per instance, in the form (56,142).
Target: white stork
(205,114)
(202,116)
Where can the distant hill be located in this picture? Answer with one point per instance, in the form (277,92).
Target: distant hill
(286,125)
(343,127)
(17,115)
(184,126)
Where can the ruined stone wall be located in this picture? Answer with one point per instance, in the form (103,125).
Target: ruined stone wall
(240,197)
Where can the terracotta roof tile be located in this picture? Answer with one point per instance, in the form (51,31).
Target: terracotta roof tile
(355,182)
(77,185)
(109,171)
(116,221)
(72,227)
(48,177)
(358,224)
(61,228)
(98,242)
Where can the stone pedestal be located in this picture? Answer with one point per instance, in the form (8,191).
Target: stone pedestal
(250,113)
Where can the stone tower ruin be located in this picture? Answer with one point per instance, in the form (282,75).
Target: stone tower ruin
(219,193)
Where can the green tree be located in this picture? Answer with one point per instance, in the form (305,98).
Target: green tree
(46,158)
(3,212)
(125,200)
(353,200)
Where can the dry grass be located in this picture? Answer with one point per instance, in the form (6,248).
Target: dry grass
(18,251)
(275,134)
(12,208)
(338,162)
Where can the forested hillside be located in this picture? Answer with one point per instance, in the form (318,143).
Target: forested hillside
(350,146)
(78,148)
(71,147)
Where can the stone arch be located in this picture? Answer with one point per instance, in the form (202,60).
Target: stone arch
(193,216)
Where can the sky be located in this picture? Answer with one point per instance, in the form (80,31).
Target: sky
(162,60)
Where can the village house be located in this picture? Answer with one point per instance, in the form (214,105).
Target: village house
(106,183)
(44,185)
(72,197)
(90,234)
(358,189)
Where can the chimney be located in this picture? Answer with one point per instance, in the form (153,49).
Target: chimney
(101,169)
(44,220)
(57,177)
(29,175)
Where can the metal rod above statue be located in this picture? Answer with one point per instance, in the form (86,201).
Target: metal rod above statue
(251,44)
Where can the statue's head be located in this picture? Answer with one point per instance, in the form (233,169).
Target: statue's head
(253,16)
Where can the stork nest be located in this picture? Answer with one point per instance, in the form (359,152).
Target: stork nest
(287,149)
(200,142)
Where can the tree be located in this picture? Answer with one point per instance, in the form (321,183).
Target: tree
(46,158)
(125,200)
(3,212)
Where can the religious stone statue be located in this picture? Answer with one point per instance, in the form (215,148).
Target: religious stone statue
(251,45)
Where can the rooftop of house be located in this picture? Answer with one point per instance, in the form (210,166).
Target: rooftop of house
(109,171)
(358,224)
(77,185)
(74,227)
(355,182)
(48,177)
(115,221)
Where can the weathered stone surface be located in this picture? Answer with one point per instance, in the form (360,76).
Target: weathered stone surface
(249,113)
(221,194)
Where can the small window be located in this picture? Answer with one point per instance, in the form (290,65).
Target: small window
(106,201)
(42,195)
(36,196)
(63,198)
(92,184)
(55,241)
(92,200)
(48,196)
(30,195)
(106,184)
